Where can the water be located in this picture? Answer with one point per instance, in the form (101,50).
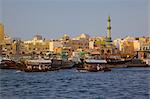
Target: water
(123,83)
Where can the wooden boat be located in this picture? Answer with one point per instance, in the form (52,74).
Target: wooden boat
(147,61)
(117,61)
(136,63)
(35,65)
(7,64)
(62,64)
(93,65)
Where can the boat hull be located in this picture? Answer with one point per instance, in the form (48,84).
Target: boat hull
(7,64)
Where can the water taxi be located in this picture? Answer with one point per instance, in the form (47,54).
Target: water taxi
(6,63)
(93,65)
(62,64)
(39,65)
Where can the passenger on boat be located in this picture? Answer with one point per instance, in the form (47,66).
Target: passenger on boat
(100,67)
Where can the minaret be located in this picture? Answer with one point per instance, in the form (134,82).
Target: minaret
(108,30)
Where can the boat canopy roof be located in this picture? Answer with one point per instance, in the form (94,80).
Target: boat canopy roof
(4,58)
(39,61)
(95,61)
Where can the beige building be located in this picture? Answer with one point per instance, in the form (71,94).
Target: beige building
(7,47)
(136,45)
(71,45)
(1,33)
(130,45)
(96,42)
(144,52)
(36,46)
(80,42)
(145,46)
(54,45)
(1,37)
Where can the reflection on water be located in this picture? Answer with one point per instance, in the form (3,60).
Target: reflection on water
(123,83)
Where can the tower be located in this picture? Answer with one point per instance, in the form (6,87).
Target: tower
(1,33)
(108,38)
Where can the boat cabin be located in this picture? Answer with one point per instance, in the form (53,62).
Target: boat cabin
(38,65)
(95,65)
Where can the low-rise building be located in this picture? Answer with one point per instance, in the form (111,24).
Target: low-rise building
(55,45)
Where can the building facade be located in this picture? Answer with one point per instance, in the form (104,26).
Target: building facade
(1,33)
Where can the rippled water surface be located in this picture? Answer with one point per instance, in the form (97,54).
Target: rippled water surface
(123,83)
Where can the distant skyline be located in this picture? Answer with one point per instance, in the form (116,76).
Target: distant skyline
(53,18)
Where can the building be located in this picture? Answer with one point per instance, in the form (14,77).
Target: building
(55,46)
(130,45)
(144,52)
(1,37)
(71,45)
(97,42)
(36,46)
(80,42)
(1,33)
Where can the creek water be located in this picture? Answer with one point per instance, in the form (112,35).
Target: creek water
(120,83)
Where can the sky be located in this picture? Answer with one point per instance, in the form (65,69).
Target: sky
(53,18)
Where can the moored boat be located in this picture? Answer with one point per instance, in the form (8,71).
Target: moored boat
(93,65)
(35,65)
(137,63)
(7,64)
(117,61)
(62,64)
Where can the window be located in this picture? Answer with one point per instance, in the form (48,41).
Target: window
(108,51)
(102,51)
(144,48)
(23,52)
